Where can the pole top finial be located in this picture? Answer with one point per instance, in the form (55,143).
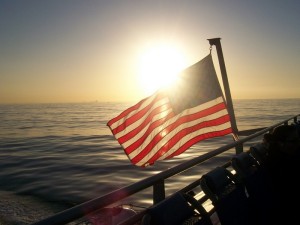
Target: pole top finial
(214,41)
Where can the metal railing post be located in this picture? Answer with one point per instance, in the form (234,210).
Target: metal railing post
(159,192)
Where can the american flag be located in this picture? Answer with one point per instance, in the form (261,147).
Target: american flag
(171,120)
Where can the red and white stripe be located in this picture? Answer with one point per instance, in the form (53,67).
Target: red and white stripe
(150,131)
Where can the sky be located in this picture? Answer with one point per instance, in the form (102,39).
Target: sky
(108,50)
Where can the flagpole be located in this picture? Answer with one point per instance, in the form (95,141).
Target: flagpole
(217,43)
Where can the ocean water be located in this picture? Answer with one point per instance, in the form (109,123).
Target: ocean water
(65,152)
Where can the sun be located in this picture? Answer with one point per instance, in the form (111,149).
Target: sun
(159,66)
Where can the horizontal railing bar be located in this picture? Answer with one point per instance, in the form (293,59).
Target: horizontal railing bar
(90,206)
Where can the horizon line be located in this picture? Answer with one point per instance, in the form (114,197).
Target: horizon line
(115,101)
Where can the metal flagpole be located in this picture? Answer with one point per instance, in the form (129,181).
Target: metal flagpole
(217,43)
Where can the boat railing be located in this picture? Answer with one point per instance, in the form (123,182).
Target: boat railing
(156,181)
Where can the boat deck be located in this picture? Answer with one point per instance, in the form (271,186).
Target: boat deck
(85,211)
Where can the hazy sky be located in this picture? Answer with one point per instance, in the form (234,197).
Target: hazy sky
(88,50)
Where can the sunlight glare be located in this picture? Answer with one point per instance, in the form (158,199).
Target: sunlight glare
(159,67)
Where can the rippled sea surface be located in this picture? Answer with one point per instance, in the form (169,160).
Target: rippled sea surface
(66,153)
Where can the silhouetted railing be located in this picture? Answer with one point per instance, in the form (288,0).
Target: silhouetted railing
(156,181)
